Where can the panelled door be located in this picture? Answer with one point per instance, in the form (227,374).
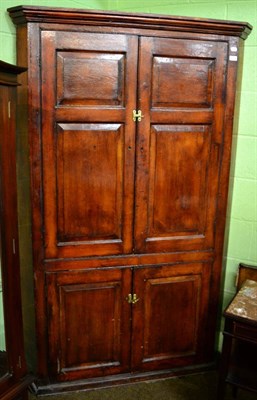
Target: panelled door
(114,186)
(170,316)
(94,328)
(181,86)
(89,322)
(88,138)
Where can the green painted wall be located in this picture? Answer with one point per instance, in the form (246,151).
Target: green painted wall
(241,242)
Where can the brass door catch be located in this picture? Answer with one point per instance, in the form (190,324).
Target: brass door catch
(137,115)
(132,299)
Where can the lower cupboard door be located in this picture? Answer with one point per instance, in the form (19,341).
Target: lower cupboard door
(170,316)
(88,323)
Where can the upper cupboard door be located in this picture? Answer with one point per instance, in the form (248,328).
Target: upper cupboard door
(88,142)
(181,95)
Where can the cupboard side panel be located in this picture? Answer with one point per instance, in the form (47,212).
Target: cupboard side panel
(234,72)
(29,178)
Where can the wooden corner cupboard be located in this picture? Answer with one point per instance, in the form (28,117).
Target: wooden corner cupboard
(129,120)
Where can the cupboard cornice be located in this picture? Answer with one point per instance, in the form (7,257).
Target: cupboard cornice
(24,14)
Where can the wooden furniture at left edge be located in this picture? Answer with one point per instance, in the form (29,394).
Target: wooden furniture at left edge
(14,383)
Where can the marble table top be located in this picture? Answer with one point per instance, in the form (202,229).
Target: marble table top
(244,304)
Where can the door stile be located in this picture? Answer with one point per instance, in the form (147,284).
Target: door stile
(130,146)
(143,143)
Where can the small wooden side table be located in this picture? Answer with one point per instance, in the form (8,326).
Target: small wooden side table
(238,364)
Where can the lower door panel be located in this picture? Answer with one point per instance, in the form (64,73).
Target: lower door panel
(89,319)
(170,317)
(88,322)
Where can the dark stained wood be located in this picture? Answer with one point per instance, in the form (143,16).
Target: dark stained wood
(14,383)
(122,207)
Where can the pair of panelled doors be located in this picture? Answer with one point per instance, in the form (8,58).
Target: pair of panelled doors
(116,186)
(131,147)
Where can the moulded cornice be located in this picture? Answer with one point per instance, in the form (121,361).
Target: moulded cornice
(24,14)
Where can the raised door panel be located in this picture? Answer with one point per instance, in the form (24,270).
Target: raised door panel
(80,80)
(88,143)
(182,82)
(89,323)
(90,198)
(170,318)
(177,194)
(181,91)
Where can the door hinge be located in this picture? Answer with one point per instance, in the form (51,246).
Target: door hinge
(9,109)
(137,115)
(13,246)
(58,365)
